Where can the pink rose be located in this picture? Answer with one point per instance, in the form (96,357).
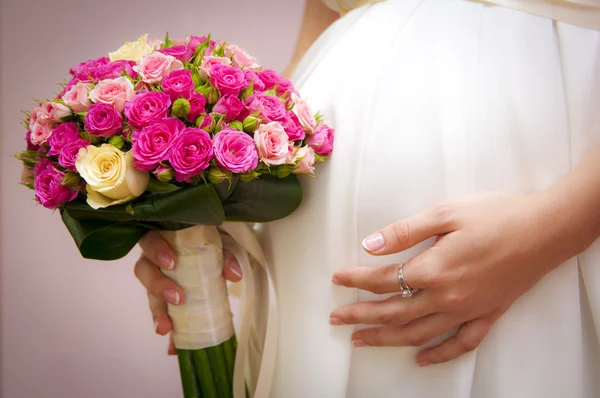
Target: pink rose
(151,145)
(322,140)
(68,154)
(115,69)
(54,112)
(30,145)
(206,122)
(252,77)
(49,191)
(90,69)
(272,79)
(62,135)
(241,58)
(179,84)
(103,120)
(268,107)
(305,160)
(147,107)
(40,133)
(77,97)
(227,80)
(292,127)
(230,106)
(38,118)
(181,52)
(190,153)
(235,151)
(272,143)
(155,67)
(195,41)
(197,107)
(114,92)
(303,113)
(208,62)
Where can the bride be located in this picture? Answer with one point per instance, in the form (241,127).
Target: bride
(461,292)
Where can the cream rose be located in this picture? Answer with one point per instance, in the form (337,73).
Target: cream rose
(110,176)
(132,51)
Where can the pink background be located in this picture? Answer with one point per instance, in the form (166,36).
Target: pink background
(72,327)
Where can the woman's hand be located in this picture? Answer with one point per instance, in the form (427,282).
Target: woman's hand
(490,250)
(161,290)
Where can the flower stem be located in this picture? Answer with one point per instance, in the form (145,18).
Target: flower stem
(204,374)
(188,377)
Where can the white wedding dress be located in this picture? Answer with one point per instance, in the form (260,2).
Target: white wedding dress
(434,99)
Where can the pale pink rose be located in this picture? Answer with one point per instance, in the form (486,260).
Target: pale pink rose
(38,117)
(303,113)
(40,133)
(208,62)
(272,143)
(305,158)
(154,67)
(54,111)
(77,97)
(114,92)
(241,58)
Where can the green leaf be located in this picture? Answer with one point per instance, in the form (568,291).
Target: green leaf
(157,186)
(265,199)
(168,42)
(103,240)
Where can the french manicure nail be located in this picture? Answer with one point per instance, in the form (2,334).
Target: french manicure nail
(336,281)
(374,242)
(172,296)
(166,261)
(236,271)
(336,321)
(359,343)
(423,364)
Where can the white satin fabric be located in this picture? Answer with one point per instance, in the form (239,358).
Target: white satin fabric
(434,99)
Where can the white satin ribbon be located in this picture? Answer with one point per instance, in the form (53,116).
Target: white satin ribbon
(204,318)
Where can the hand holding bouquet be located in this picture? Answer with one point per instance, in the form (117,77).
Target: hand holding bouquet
(177,137)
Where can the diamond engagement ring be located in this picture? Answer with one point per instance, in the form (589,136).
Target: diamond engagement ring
(406,290)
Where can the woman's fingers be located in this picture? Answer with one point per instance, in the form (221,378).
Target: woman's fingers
(156,283)
(469,336)
(231,268)
(160,316)
(394,311)
(158,250)
(420,272)
(415,333)
(406,233)
(171,350)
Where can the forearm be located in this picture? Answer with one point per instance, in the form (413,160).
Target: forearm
(317,17)
(573,205)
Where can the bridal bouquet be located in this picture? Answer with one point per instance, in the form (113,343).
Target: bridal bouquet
(179,137)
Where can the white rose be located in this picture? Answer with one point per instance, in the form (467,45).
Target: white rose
(110,176)
(132,51)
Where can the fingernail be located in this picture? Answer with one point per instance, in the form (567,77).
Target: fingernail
(172,296)
(156,326)
(234,267)
(336,281)
(374,242)
(359,343)
(336,321)
(166,261)
(423,364)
